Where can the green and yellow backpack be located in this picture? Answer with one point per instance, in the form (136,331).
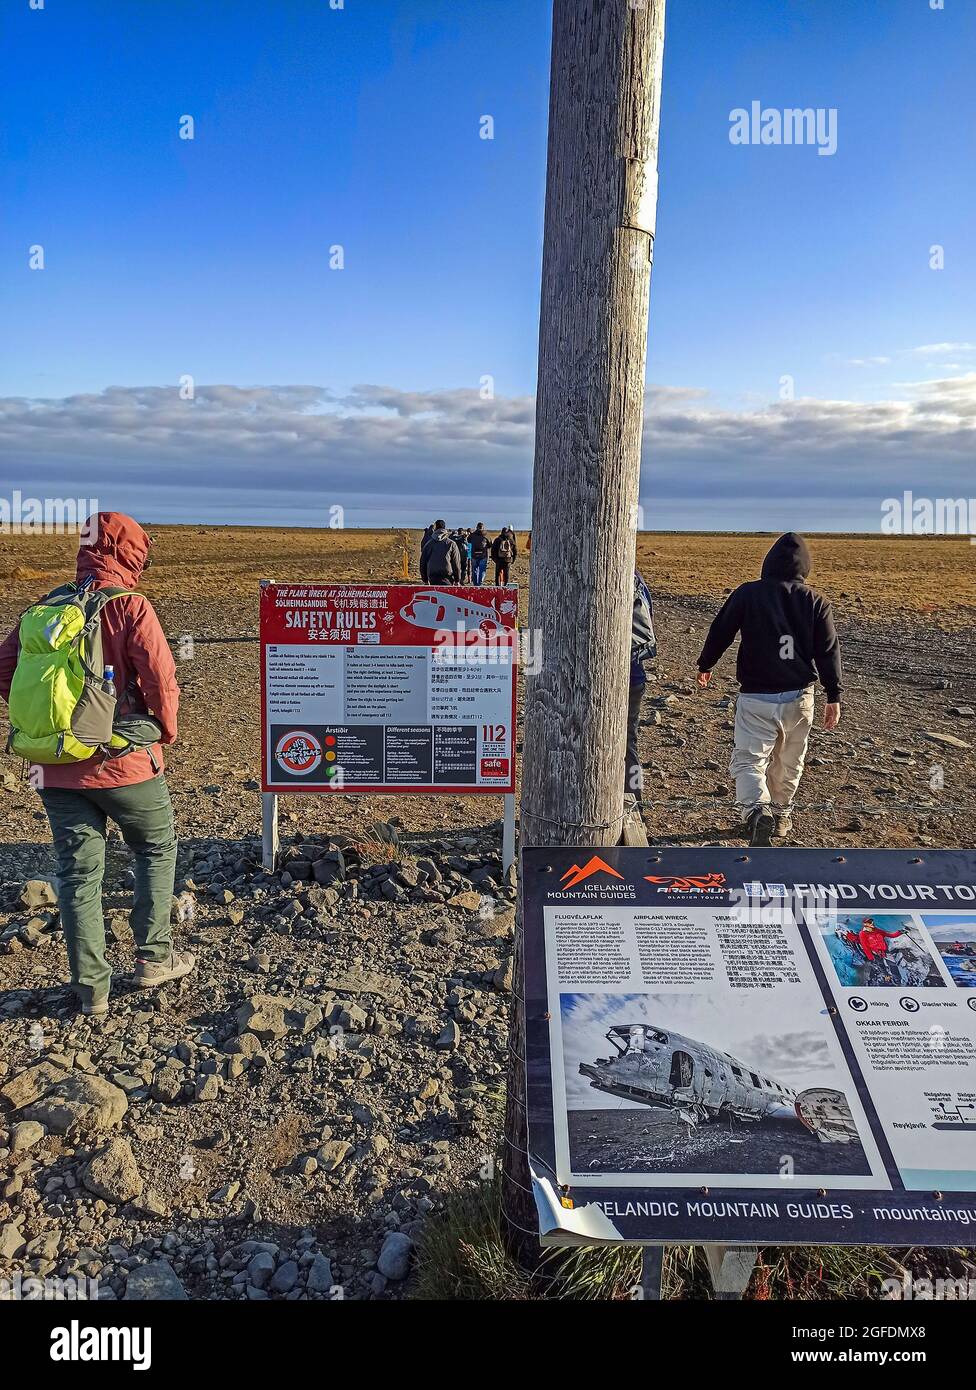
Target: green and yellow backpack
(63,700)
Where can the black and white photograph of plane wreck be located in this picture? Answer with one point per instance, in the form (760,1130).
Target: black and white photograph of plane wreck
(690,1083)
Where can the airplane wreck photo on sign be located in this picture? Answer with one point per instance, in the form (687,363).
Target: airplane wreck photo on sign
(697,1084)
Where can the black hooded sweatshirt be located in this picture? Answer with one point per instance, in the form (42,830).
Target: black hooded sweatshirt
(787,629)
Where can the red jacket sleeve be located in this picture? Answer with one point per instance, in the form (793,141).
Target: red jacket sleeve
(153,662)
(9,651)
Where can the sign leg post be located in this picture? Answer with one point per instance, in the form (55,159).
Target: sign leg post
(652,1271)
(731,1268)
(269,831)
(508,833)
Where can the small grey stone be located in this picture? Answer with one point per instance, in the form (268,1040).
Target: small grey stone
(25,1135)
(38,893)
(394,1260)
(154,1281)
(285,1278)
(113,1174)
(332,1153)
(319,1275)
(11,1241)
(79,1102)
(260,1269)
(450,1036)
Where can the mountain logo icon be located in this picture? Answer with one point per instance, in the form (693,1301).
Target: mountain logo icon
(596,865)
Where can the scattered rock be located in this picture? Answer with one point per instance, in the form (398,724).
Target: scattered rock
(947,740)
(113,1173)
(31,1084)
(79,1102)
(394,1260)
(449,1037)
(156,1281)
(25,1135)
(11,1241)
(285,1277)
(471,902)
(271,1016)
(362,982)
(319,1275)
(332,1153)
(37,894)
(260,1269)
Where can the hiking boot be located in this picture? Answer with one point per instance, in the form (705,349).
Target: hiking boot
(783,826)
(94,1008)
(150,973)
(760,826)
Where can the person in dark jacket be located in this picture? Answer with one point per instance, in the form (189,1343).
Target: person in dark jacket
(643,647)
(428,532)
(787,640)
(480,543)
(460,539)
(504,552)
(440,562)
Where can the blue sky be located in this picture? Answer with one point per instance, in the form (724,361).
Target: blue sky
(359,387)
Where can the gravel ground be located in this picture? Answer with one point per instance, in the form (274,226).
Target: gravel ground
(281,1123)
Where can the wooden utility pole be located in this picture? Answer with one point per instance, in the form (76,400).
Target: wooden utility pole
(601,196)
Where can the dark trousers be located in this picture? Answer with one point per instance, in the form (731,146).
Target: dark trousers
(144,814)
(633,772)
(502,568)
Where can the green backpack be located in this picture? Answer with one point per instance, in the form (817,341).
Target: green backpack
(61,707)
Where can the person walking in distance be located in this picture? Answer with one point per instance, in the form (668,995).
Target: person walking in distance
(643,647)
(440,562)
(480,544)
(787,639)
(504,554)
(460,539)
(92,733)
(429,530)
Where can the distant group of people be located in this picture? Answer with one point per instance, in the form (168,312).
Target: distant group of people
(455,557)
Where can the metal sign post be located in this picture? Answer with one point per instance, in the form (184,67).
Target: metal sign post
(271,844)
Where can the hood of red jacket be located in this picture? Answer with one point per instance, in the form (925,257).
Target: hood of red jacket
(113,549)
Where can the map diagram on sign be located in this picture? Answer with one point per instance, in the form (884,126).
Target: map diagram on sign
(373,688)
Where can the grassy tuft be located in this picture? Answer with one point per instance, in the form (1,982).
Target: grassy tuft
(462,1257)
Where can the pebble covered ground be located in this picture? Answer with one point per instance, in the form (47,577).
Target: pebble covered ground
(281,1123)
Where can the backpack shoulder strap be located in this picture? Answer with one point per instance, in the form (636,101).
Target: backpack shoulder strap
(96,600)
(93,603)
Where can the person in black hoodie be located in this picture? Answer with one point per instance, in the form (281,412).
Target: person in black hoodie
(787,640)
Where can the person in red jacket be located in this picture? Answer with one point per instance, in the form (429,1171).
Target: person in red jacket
(873,940)
(80,798)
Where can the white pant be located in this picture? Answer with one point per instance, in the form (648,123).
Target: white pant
(770,749)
